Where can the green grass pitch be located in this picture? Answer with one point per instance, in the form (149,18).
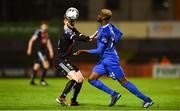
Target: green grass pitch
(17,94)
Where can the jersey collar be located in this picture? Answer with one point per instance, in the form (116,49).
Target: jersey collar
(106,25)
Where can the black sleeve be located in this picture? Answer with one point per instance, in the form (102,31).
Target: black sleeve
(76,31)
(76,36)
(80,37)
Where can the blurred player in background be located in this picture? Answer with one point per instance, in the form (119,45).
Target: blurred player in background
(38,46)
(66,41)
(108,36)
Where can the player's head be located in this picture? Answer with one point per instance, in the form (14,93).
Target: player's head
(104,15)
(44,26)
(71,15)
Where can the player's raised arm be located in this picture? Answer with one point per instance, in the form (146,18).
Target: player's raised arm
(80,37)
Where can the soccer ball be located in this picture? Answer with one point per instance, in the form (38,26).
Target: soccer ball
(72,13)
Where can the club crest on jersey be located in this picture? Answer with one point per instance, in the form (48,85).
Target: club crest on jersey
(104,40)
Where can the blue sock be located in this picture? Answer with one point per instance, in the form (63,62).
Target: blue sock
(98,84)
(133,89)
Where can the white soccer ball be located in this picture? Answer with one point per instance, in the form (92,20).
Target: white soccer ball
(72,13)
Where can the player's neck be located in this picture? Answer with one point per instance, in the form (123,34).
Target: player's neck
(103,23)
(68,26)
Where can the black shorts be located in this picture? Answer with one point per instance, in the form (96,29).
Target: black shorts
(39,57)
(65,66)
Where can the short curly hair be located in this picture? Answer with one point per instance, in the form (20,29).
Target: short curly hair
(106,13)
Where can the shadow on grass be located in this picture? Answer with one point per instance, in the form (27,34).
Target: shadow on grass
(91,106)
(100,105)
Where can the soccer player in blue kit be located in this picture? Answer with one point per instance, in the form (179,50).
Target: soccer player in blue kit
(108,35)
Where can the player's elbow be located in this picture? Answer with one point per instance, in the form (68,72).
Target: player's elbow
(119,34)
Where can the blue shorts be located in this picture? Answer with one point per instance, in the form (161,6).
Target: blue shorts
(110,68)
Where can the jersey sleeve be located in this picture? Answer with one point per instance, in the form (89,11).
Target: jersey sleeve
(102,41)
(76,35)
(76,31)
(117,34)
(98,50)
(79,37)
(102,37)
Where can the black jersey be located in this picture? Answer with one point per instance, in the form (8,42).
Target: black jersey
(67,40)
(41,38)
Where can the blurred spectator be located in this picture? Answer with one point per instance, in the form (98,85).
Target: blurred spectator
(165,61)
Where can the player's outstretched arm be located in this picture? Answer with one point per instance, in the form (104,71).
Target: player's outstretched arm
(98,50)
(81,37)
(80,51)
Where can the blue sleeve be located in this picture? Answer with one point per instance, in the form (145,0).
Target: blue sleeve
(98,50)
(118,34)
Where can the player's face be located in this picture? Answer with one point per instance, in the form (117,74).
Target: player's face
(100,17)
(72,22)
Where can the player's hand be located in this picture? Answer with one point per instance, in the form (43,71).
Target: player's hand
(28,52)
(78,52)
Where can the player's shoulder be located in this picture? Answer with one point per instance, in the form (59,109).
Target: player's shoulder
(102,30)
(102,37)
(68,30)
(38,30)
(36,33)
(114,27)
(106,28)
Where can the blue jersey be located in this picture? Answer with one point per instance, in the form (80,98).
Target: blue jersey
(107,37)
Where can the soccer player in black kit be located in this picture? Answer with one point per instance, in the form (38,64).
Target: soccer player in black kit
(64,51)
(38,46)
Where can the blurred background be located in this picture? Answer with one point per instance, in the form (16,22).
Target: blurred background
(149,46)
